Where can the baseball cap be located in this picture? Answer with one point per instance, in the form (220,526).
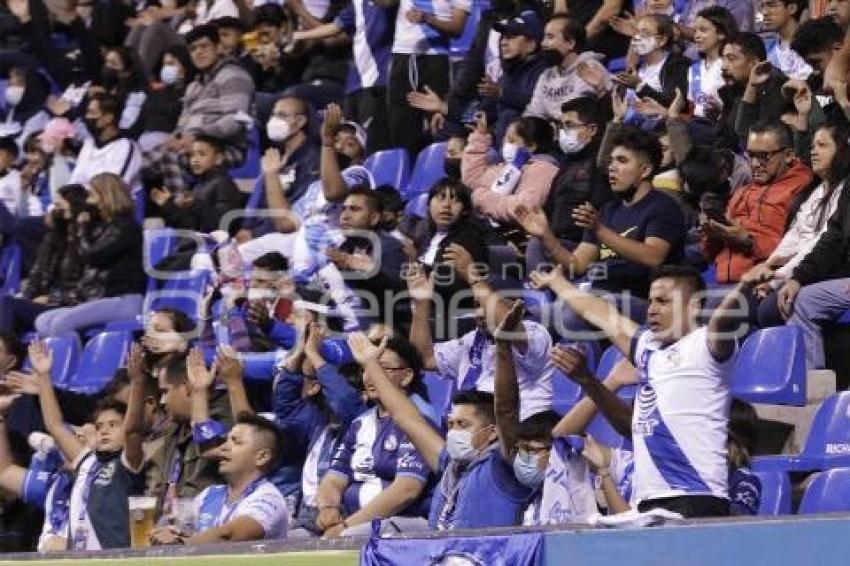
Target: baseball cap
(527,23)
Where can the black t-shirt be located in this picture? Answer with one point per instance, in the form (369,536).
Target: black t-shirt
(655,215)
(608,42)
(107,502)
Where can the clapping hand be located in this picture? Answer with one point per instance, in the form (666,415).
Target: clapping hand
(572,362)
(200,378)
(533,221)
(363,349)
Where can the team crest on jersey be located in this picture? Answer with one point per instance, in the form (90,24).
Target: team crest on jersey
(674,357)
(391,443)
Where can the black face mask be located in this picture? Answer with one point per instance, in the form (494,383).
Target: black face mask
(451,167)
(109,78)
(94,212)
(106,455)
(552,57)
(343,160)
(92,127)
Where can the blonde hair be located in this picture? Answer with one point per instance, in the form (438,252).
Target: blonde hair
(114,195)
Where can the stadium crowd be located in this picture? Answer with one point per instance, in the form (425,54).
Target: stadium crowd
(352,350)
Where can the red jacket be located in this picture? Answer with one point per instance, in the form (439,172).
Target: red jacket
(763,210)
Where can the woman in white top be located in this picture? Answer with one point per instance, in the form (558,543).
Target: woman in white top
(830,160)
(713,26)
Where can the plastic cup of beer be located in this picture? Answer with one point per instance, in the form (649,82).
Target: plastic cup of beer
(142,510)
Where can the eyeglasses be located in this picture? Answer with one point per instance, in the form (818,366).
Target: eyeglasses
(764,156)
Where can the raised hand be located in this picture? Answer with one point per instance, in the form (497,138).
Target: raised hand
(618,106)
(6,401)
(333,118)
(136,363)
(760,73)
(363,349)
(481,126)
(533,221)
(272,161)
(507,326)
(228,365)
(592,74)
(586,216)
(200,377)
(598,455)
(572,362)
(41,358)
(419,285)
(316,334)
(26,383)
(553,279)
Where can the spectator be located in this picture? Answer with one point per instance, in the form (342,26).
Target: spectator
(523,178)
(11,193)
(745,489)
(110,245)
(454,155)
(107,475)
(783,17)
(213,200)
(123,77)
(757,214)
(839,11)
(640,229)
(470,361)
(230,32)
(377,473)
(23,103)
(579,179)
(247,506)
(216,103)
(153,31)
(662,70)
(743,13)
(809,215)
(714,26)
(420,51)
(596,18)
(682,407)
(207,13)
(107,150)
(817,41)
(573,70)
(163,105)
(272,67)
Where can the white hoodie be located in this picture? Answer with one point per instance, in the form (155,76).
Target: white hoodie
(556,86)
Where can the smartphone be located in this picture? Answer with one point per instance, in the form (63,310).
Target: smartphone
(717,215)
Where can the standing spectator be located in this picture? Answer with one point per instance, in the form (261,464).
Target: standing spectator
(595,16)
(573,72)
(420,58)
(783,17)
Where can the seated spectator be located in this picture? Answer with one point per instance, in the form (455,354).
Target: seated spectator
(454,155)
(579,179)
(817,41)
(783,17)
(468,461)
(123,77)
(712,29)
(273,68)
(164,104)
(627,25)
(573,71)
(247,506)
(810,213)
(839,12)
(745,489)
(11,193)
(377,472)
(153,31)
(110,246)
(23,109)
(640,229)
(206,209)
(470,361)
(216,103)
(207,13)
(230,32)
(742,12)
(661,70)
(523,178)
(757,214)
(105,476)
(107,150)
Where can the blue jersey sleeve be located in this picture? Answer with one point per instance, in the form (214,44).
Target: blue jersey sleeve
(341,461)
(410,463)
(346,20)
(343,399)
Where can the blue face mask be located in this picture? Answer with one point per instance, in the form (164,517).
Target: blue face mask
(168,74)
(527,469)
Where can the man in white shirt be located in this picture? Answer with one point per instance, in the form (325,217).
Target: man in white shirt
(470,360)
(679,421)
(248,506)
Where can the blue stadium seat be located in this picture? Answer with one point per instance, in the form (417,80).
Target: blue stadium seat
(771,367)
(182,294)
(440,392)
(389,167)
(844,318)
(10,269)
(159,244)
(828,493)
(427,170)
(565,392)
(828,443)
(66,357)
(250,168)
(709,276)
(103,354)
(775,493)
(417,206)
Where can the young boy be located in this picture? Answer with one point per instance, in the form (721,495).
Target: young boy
(10,179)
(98,515)
(214,195)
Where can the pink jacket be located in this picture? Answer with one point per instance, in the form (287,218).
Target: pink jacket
(532,191)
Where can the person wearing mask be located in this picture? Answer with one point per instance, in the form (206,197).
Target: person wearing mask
(783,18)
(164,103)
(523,178)
(377,471)
(110,246)
(216,103)
(641,229)
(469,462)
(757,214)
(753,89)
(107,150)
(23,103)
(661,70)
(579,178)
(712,29)
(122,76)
(573,71)
(420,57)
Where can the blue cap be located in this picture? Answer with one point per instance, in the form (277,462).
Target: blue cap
(527,23)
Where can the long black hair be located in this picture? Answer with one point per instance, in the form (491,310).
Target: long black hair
(537,131)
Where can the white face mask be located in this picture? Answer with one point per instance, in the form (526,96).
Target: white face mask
(278,129)
(644,45)
(509,151)
(14,95)
(459,445)
(168,74)
(569,142)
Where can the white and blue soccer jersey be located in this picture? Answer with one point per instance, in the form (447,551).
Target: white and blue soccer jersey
(787,60)
(567,495)
(422,39)
(370,27)
(373,452)
(263,503)
(681,413)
